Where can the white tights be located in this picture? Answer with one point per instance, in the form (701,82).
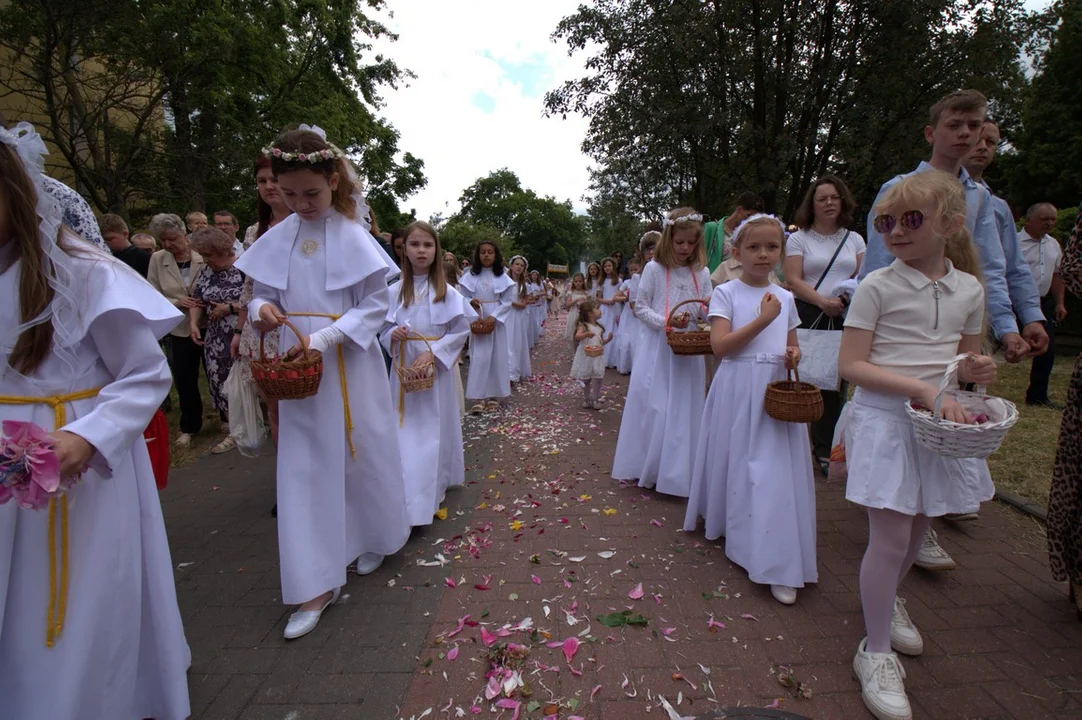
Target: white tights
(591,391)
(893,542)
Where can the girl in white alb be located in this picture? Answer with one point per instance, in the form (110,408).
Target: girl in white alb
(906,322)
(538,309)
(753,481)
(627,332)
(610,307)
(574,298)
(341,496)
(490,290)
(519,322)
(660,425)
(531,312)
(427,325)
(89,622)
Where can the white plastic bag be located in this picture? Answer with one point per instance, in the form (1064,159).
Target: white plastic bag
(819,357)
(245,415)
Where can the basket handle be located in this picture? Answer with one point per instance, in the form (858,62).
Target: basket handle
(793,374)
(402,346)
(672,313)
(950,379)
(291,326)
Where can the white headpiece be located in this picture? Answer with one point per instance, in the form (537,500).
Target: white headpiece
(690,217)
(754,218)
(63,311)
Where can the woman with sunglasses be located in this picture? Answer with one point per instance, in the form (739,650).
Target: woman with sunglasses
(818,257)
(907,321)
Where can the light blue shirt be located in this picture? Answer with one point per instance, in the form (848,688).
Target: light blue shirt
(981,223)
(1025,298)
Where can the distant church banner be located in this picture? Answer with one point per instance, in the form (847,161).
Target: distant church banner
(556,269)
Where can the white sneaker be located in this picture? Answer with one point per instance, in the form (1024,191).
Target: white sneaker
(882,685)
(783,594)
(368,563)
(303,622)
(183,440)
(904,636)
(931,556)
(586,404)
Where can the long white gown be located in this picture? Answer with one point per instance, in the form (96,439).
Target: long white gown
(122,652)
(663,411)
(332,507)
(429,421)
(519,327)
(610,318)
(489,371)
(535,319)
(627,333)
(753,480)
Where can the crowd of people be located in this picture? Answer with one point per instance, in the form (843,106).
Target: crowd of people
(939,272)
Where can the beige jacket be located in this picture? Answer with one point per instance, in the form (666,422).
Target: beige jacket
(164,275)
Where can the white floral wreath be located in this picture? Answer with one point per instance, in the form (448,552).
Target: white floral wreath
(690,217)
(755,218)
(316,156)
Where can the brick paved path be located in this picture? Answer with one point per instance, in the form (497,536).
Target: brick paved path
(541,544)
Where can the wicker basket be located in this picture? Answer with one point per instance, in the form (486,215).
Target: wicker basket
(415,379)
(955,439)
(483,325)
(288,379)
(691,342)
(594,351)
(793,401)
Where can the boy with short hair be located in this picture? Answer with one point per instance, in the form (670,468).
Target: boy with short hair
(115,233)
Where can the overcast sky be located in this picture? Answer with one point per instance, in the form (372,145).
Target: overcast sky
(483,67)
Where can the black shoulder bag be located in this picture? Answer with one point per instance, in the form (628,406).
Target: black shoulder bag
(810,315)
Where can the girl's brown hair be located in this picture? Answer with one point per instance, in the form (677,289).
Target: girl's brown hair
(521,282)
(436,277)
(578,275)
(614,278)
(306,141)
(263,212)
(665,255)
(805,214)
(588,306)
(450,272)
(588,282)
(21,200)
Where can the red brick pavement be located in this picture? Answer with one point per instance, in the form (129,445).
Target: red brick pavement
(1000,638)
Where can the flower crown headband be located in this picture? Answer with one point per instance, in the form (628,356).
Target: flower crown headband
(316,156)
(755,218)
(690,217)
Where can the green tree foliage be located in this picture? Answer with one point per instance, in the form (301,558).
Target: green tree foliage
(694,101)
(497,207)
(1046,164)
(167,105)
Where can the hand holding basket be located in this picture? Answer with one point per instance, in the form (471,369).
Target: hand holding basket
(692,342)
(286,378)
(483,325)
(793,401)
(415,378)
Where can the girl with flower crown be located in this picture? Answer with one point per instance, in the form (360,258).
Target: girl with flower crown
(664,406)
(341,496)
(89,623)
(519,322)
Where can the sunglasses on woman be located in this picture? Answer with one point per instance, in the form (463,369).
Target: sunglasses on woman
(910,220)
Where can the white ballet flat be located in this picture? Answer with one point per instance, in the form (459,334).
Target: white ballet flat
(303,622)
(783,594)
(368,563)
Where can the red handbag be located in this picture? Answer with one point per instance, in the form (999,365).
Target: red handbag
(157,439)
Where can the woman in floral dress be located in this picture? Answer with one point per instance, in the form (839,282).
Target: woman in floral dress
(218,287)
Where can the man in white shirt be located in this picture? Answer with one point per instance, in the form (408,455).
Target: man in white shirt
(227,222)
(1043,254)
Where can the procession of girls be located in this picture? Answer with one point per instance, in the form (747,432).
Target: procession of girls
(748,476)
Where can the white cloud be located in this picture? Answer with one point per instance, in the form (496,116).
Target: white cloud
(476,55)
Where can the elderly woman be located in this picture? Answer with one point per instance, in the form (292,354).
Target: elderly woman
(818,257)
(173,271)
(218,289)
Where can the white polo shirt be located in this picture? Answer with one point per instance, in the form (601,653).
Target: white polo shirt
(915,334)
(1044,257)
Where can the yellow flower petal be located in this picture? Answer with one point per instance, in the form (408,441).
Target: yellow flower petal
(516,525)
(442,513)
(609,511)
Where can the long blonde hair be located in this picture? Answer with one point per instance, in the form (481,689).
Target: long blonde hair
(436,278)
(664,254)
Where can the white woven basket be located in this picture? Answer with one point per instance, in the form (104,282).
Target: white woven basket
(955,439)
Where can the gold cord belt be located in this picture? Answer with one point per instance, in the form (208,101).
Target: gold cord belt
(341,380)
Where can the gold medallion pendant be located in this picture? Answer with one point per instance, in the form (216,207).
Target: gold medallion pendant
(309,247)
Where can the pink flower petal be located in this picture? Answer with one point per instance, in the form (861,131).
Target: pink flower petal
(571,646)
(492,689)
(452,654)
(595,691)
(656,523)
(449,582)
(509,704)
(487,638)
(536,580)
(749,616)
(636,592)
(668,631)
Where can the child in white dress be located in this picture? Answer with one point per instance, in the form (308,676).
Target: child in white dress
(660,426)
(647,249)
(572,300)
(627,332)
(593,279)
(753,480)
(428,324)
(906,322)
(519,323)
(89,622)
(341,496)
(450,271)
(590,367)
(610,306)
(489,289)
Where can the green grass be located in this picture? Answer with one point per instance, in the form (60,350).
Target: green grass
(1023,464)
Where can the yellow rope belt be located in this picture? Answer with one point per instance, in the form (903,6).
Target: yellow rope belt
(58,601)
(402,364)
(341,380)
